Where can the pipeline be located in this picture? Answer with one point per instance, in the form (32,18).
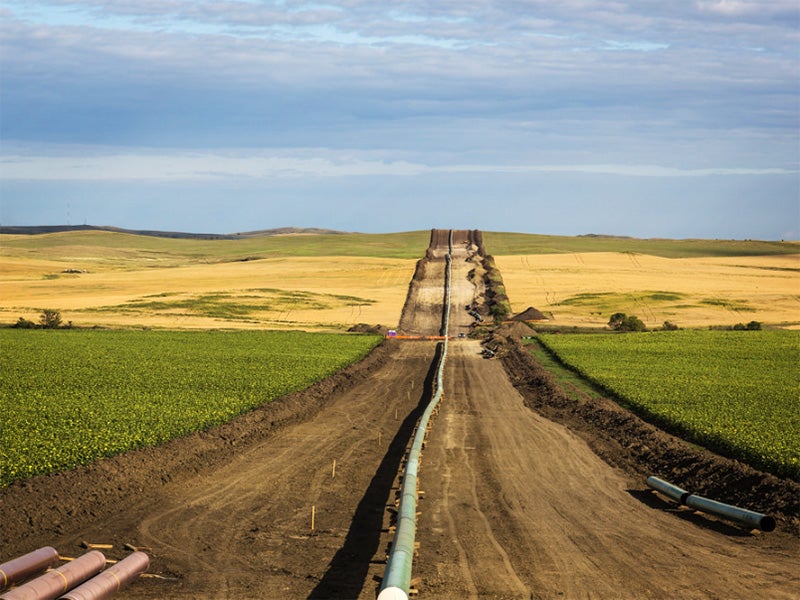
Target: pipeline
(110,581)
(397,578)
(742,516)
(24,567)
(54,583)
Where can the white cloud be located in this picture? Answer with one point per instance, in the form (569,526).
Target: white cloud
(154,166)
(148,165)
(682,87)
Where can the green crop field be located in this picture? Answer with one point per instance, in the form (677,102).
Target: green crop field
(69,397)
(126,248)
(733,391)
(500,244)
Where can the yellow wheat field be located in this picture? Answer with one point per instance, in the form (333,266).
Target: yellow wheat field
(584,289)
(136,288)
(337,293)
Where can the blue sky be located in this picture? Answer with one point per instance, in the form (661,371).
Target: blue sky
(644,118)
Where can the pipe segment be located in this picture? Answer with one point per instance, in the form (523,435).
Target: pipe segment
(397,578)
(110,581)
(669,490)
(26,566)
(54,583)
(742,516)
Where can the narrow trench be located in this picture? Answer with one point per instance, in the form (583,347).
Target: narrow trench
(349,568)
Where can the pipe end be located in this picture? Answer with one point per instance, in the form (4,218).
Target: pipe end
(767,523)
(392,593)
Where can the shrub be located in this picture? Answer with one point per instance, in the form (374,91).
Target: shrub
(50,318)
(616,320)
(24,323)
(633,323)
(622,322)
(500,310)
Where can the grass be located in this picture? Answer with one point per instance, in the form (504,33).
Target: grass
(573,384)
(126,248)
(734,392)
(246,304)
(525,243)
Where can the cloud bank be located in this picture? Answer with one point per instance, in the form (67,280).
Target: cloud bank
(215,90)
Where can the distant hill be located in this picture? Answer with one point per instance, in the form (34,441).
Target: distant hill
(40,229)
(288,231)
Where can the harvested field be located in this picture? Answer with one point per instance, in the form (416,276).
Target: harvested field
(585,289)
(324,294)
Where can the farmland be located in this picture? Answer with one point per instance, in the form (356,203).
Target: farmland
(328,282)
(736,392)
(584,289)
(229,511)
(69,397)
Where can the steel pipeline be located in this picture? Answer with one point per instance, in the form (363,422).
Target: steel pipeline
(742,516)
(397,578)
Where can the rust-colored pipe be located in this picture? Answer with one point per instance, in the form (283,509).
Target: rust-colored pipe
(24,567)
(54,583)
(110,581)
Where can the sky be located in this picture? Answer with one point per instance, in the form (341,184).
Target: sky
(645,118)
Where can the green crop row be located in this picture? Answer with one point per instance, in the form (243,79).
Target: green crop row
(70,397)
(735,392)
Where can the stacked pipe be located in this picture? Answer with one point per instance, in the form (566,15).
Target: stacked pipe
(397,578)
(110,581)
(79,579)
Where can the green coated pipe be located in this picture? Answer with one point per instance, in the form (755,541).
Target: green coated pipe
(742,516)
(669,490)
(397,578)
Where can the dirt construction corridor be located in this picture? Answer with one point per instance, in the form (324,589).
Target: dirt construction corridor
(515,505)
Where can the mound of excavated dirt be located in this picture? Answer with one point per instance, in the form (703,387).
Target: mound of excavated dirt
(512,329)
(530,314)
(625,440)
(366,328)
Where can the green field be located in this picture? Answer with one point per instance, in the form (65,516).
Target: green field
(160,251)
(131,247)
(69,397)
(736,392)
(500,244)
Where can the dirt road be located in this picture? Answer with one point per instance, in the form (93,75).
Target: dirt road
(516,506)
(519,507)
(244,531)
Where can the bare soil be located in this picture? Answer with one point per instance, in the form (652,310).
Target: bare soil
(525,495)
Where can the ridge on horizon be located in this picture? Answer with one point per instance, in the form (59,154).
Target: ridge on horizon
(43,229)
